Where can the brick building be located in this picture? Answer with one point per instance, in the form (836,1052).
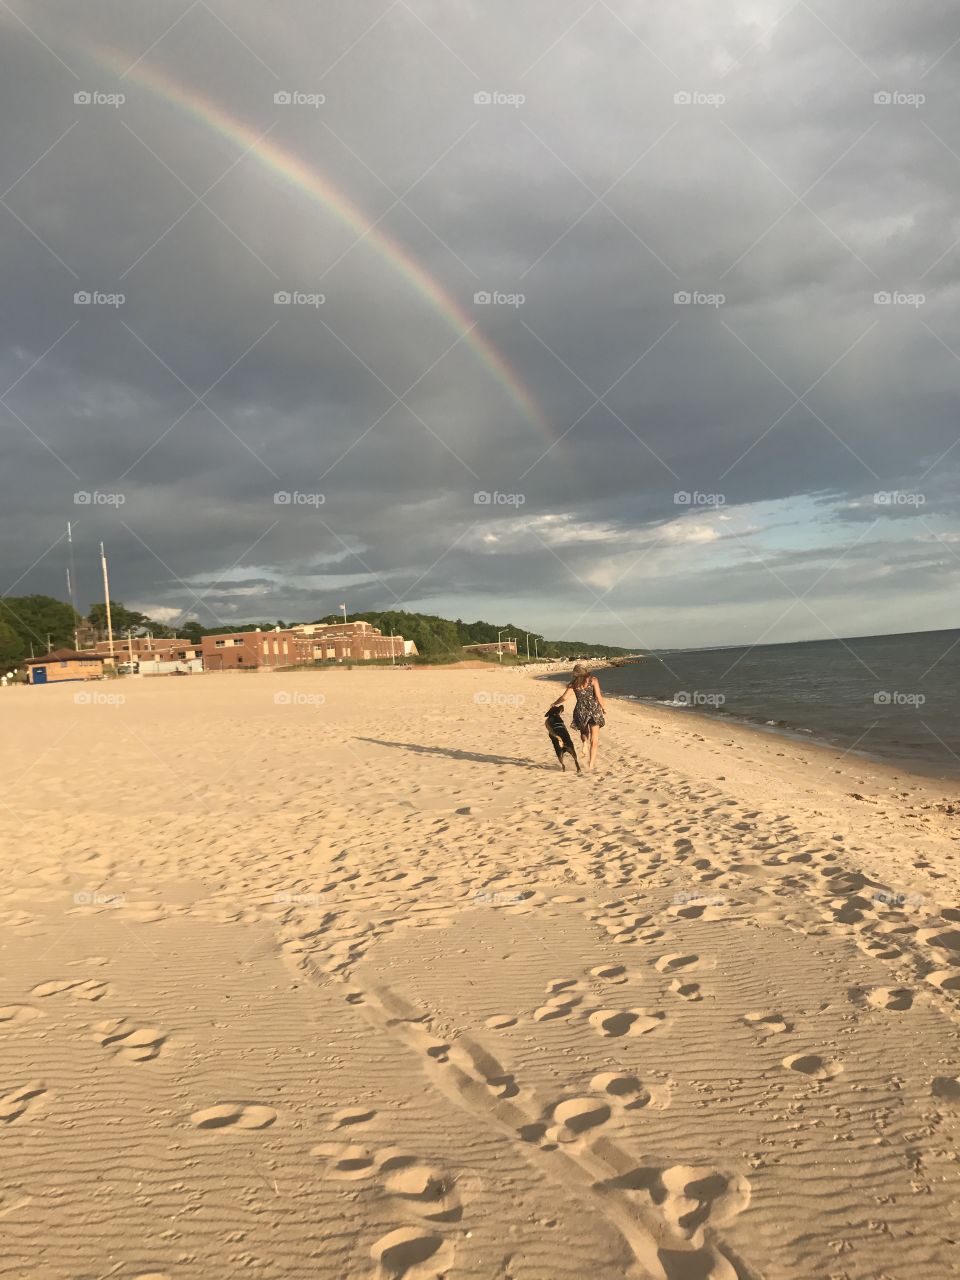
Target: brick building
(302,645)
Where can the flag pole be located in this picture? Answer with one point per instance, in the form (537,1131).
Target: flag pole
(106,597)
(71,588)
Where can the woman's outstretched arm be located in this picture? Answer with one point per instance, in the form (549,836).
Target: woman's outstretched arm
(558,702)
(596,690)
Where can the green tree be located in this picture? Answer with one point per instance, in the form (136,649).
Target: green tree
(123,620)
(12,648)
(35,618)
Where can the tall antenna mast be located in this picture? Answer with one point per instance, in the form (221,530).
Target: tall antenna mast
(71,586)
(106,597)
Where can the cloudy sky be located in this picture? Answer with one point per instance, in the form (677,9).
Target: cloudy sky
(625,321)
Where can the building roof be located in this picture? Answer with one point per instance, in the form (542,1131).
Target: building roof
(65,655)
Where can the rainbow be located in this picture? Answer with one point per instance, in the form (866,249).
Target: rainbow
(296,173)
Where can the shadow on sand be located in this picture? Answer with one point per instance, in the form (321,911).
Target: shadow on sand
(454,754)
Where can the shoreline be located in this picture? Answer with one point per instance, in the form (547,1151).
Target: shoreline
(732,722)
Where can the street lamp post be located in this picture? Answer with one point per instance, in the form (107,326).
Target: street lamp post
(499,645)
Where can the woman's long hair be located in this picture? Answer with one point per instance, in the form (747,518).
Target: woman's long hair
(580,676)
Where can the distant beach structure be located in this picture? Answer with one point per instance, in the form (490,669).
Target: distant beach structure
(64,664)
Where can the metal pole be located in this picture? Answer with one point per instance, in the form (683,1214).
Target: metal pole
(528,646)
(70,585)
(106,597)
(393,651)
(536,651)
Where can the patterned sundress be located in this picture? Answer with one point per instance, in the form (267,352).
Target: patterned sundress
(588,710)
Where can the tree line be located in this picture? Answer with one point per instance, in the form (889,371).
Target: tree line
(36,624)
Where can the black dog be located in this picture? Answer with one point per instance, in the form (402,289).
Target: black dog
(560,737)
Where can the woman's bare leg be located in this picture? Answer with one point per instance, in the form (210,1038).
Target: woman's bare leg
(594,743)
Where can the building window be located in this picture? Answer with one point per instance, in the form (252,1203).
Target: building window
(220,643)
(237,640)
(266,646)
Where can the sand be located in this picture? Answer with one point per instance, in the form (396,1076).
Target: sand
(337,975)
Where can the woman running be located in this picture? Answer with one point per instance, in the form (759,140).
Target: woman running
(588,715)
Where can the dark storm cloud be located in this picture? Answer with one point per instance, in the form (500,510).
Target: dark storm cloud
(798,197)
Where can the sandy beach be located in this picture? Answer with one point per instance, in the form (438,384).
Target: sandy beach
(336,975)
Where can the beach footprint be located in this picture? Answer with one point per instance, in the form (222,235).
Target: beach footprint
(575,1117)
(626,1022)
(947,1088)
(615,973)
(425,1191)
(676,962)
(18,1102)
(686,990)
(15,1015)
(128,1042)
(500,1021)
(895,999)
(767,1024)
(557,1007)
(236,1115)
(697,1197)
(622,1087)
(412,1252)
(344,1160)
(814,1066)
(77,988)
(348,1117)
